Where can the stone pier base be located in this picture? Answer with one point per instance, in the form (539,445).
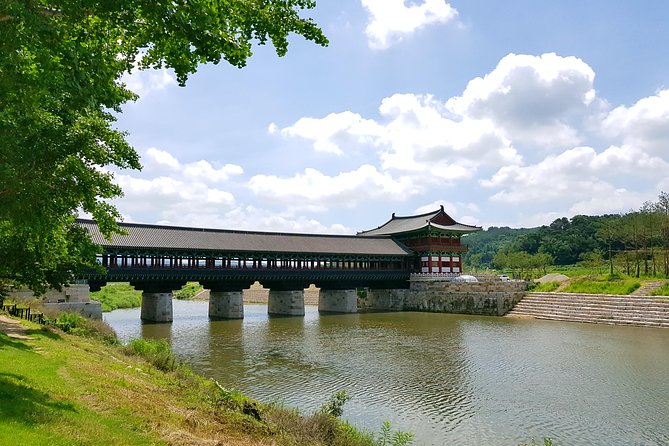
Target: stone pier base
(226,304)
(156,307)
(286,302)
(338,301)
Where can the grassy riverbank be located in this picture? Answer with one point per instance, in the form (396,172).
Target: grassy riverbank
(117,295)
(88,390)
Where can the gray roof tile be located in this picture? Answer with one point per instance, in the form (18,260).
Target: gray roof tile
(438,219)
(182,238)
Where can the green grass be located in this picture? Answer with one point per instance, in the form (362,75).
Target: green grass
(157,352)
(662,291)
(40,402)
(603,286)
(188,291)
(545,287)
(118,295)
(60,389)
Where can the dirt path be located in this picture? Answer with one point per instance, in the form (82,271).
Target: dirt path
(13,328)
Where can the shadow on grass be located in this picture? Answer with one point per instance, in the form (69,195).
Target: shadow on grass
(44,332)
(9,342)
(23,404)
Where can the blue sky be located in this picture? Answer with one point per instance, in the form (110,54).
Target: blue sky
(507,113)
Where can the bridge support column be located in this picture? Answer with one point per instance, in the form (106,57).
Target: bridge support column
(226,298)
(226,304)
(157,307)
(286,302)
(157,300)
(338,301)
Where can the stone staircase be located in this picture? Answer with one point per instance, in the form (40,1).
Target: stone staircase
(648,287)
(595,308)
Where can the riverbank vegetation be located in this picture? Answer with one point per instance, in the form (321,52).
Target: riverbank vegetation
(662,290)
(604,285)
(78,389)
(188,291)
(117,295)
(545,287)
(588,284)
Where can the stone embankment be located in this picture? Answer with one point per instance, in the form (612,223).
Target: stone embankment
(487,297)
(74,298)
(646,311)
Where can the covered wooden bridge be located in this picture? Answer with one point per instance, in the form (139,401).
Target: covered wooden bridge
(158,259)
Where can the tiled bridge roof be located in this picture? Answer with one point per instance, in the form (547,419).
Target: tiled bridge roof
(144,236)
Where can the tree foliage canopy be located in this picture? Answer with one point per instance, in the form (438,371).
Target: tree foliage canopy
(61,63)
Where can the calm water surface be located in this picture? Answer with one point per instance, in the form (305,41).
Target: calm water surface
(448,379)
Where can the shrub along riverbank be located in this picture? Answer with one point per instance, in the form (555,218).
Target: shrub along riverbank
(88,390)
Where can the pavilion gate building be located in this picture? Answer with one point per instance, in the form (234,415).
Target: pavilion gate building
(435,239)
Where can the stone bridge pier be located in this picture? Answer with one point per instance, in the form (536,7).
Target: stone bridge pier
(157,299)
(286,298)
(337,297)
(226,299)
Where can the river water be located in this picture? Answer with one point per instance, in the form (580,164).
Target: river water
(449,379)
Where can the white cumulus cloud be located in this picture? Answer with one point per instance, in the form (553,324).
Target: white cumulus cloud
(331,133)
(145,82)
(645,124)
(576,175)
(168,187)
(161,158)
(316,191)
(205,171)
(415,138)
(541,100)
(531,133)
(391,20)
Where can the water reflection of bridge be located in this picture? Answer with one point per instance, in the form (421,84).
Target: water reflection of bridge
(159,259)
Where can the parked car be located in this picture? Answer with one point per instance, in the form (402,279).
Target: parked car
(504,278)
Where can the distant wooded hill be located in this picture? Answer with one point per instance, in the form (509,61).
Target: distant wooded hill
(638,240)
(565,240)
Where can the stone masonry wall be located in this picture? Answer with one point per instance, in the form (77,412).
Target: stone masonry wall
(385,299)
(483,298)
(74,298)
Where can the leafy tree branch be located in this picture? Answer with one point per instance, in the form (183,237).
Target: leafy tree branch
(61,63)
